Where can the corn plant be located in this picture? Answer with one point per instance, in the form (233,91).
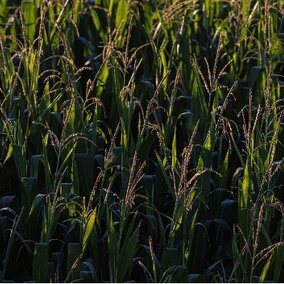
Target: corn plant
(141,141)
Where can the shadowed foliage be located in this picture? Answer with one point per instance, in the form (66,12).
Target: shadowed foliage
(141,141)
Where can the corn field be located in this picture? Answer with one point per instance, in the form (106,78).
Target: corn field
(142,140)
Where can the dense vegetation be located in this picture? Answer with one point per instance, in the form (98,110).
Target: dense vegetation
(142,140)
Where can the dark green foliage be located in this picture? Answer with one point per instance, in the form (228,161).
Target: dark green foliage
(141,141)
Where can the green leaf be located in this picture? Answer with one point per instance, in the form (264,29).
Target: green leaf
(13,232)
(19,156)
(112,248)
(9,153)
(245,186)
(121,13)
(127,254)
(174,149)
(165,175)
(40,262)
(89,229)
(99,25)
(30,15)
(38,199)
(85,166)
(278,263)
(265,269)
